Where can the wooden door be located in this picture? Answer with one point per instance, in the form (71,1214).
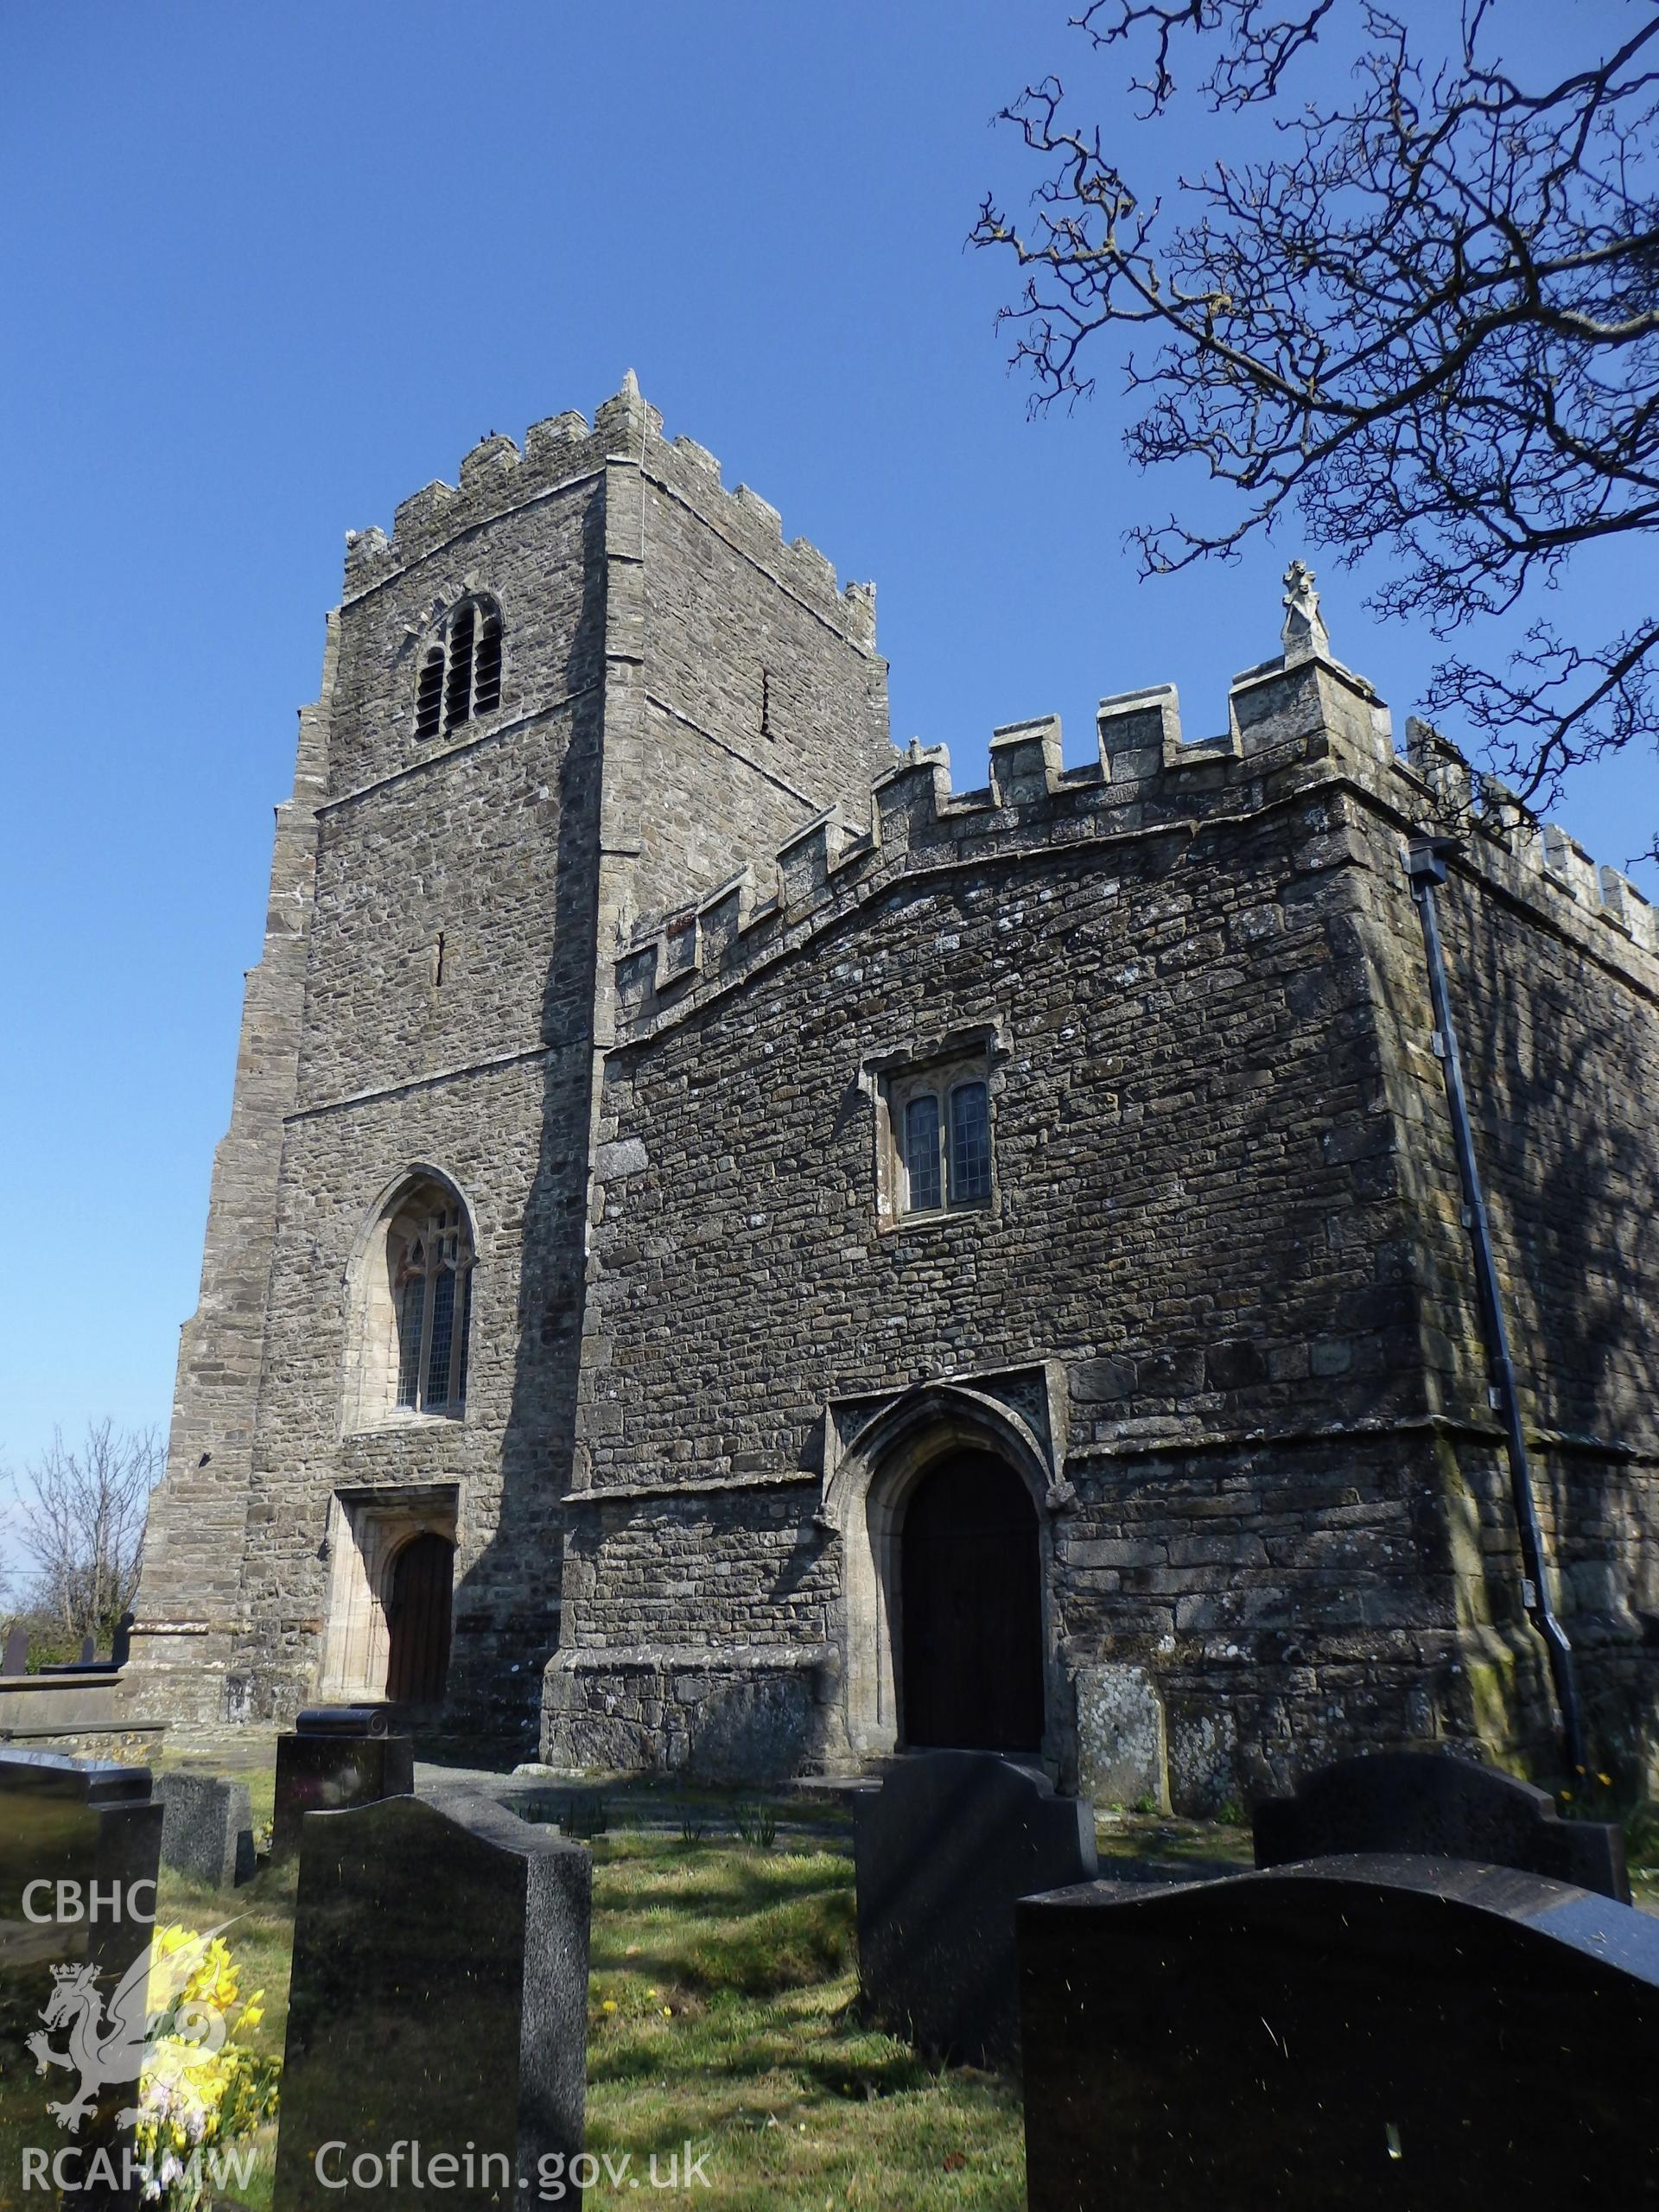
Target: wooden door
(970,1602)
(417,1617)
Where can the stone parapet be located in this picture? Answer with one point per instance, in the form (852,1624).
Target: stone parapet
(1291,725)
(498,476)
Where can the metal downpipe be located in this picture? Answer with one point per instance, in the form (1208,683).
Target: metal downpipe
(1426,864)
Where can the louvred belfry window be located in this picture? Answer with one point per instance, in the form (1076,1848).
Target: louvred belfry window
(458,673)
(487,665)
(429,700)
(461,676)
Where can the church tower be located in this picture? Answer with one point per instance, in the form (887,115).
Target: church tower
(587,680)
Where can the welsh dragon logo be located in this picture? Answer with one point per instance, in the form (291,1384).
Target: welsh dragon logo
(109,2046)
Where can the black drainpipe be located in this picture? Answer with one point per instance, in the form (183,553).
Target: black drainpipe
(1426,864)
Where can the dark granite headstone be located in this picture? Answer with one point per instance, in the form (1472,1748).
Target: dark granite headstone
(1402,2032)
(208,1833)
(1427,1800)
(440,1998)
(942,1849)
(337,1757)
(79,1844)
(16,1659)
(88,1651)
(121,1642)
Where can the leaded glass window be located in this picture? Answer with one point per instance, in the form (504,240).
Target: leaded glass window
(922,1152)
(970,1144)
(410,1305)
(940,1120)
(432,1270)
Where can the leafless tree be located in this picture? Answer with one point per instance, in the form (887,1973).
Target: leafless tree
(80,1525)
(1426,320)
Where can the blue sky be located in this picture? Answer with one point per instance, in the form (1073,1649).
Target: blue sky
(271,269)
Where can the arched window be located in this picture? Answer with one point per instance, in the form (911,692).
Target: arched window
(431,1262)
(413,1297)
(461,672)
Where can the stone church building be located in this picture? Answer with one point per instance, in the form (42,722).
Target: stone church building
(732,1255)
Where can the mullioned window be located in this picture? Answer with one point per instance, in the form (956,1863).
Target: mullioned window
(460,676)
(411,1300)
(937,1138)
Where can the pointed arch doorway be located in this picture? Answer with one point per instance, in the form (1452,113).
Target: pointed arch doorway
(418,1601)
(971,1606)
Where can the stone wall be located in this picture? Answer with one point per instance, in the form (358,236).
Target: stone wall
(1179,1109)
(1225,1208)
(189,1603)
(641,960)
(759,695)
(1555,991)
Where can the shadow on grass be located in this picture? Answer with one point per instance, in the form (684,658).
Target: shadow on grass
(756,1926)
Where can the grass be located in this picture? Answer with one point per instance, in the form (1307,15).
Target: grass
(723,2008)
(721,2013)
(1168,1838)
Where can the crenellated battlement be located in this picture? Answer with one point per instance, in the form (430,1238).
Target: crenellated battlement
(1469,802)
(496,477)
(1291,722)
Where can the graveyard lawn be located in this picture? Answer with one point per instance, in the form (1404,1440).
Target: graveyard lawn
(723,2011)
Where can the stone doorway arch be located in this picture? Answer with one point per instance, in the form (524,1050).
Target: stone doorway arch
(932,1427)
(368,1532)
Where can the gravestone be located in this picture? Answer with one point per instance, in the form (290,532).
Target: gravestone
(16,1659)
(943,1848)
(1122,1743)
(1365,2032)
(440,1998)
(121,1642)
(208,1832)
(80,1843)
(336,1756)
(1426,1801)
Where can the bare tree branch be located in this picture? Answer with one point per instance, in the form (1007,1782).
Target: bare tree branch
(1428,324)
(1249,69)
(82,1524)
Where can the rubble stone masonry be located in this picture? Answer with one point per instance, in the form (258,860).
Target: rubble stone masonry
(639,964)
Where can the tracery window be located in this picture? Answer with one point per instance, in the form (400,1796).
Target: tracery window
(461,670)
(431,1266)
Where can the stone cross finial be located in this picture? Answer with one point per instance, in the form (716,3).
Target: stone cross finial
(1304,634)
